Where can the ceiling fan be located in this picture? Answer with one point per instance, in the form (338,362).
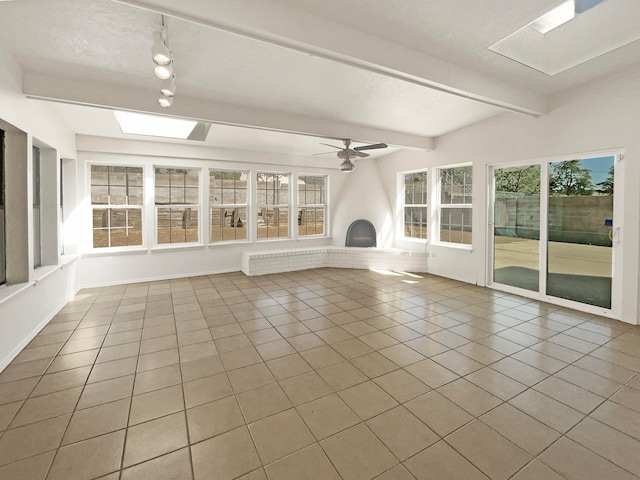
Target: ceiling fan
(346,153)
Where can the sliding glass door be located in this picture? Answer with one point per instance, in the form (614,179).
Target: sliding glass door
(553,229)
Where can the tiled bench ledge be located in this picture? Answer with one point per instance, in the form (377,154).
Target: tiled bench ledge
(279,261)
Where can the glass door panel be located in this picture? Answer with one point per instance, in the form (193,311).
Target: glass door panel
(580,230)
(516,229)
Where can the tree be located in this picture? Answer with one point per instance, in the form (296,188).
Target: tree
(225,175)
(522,180)
(606,187)
(569,178)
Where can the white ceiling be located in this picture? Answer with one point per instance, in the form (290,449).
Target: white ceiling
(393,71)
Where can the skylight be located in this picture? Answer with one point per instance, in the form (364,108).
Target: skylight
(157,126)
(556,17)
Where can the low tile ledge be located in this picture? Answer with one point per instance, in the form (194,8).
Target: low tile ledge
(262,262)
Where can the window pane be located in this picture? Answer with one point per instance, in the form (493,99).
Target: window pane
(177,225)
(99,195)
(310,221)
(415,222)
(118,195)
(273,222)
(455,225)
(456,185)
(162,196)
(228,224)
(191,196)
(136,195)
(100,238)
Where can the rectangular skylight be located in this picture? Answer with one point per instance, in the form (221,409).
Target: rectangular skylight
(155,125)
(556,17)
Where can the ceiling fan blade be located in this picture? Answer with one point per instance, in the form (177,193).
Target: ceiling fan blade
(360,154)
(371,147)
(339,148)
(325,153)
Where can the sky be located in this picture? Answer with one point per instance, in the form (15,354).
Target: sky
(599,167)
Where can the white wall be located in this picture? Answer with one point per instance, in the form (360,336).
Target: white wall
(599,116)
(25,307)
(153,262)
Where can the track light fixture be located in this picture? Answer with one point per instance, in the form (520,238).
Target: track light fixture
(163,65)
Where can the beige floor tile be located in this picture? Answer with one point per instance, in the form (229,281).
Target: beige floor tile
(289,366)
(457,363)
(263,401)
(73,360)
(88,459)
(34,468)
(95,421)
(352,348)
(306,342)
(480,353)
(158,403)
(33,439)
(557,351)
(157,344)
(157,379)
(105,392)
(357,454)
(519,371)
(609,443)
(276,349)
(578,398)
(575,462)
(323,356)
(496,383)
(7,412)
(438,413)
(122,337)
(111,370)
(108,354)
(213,419)
(605,369)
(207,389)
(367,399)
(396,473)
(493,454)
(401,385)
(234,342)
(378,340)
(402,432)
(250,377)
(264,336)
(293,434)
(157,437)
(327,415)
(444,463)
(590,381)
(233,452)
(401,355)
(202,367)
(628,397)
(469,397)
(311,462)
(619,417)
(305,388)
(240,358)
(499,344)
(341,375)
(539,360)
(537,471)
(159,359)
(373,364)
(30,354)
(47,406)
(56,382)
(525,431)
(431,373)
(172,466)
(547,410)
(426,346)
(449,339)
(17,390)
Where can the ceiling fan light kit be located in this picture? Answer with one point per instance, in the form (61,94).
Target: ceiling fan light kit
(347,153)
(163,59)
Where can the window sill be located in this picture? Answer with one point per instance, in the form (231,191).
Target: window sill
(273,240)
(177,247)
(114,251)
(414,240)
(455,246)
(229,243)
(312,237)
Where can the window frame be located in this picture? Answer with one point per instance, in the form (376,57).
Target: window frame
(36,205)
(426,205)
(226,206)
(197,207)
(324,205)
(110,206)
(3,217)
(457,206)
(259,207)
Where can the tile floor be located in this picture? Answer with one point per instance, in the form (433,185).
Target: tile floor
(321,374)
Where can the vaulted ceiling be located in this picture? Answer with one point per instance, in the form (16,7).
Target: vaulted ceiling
(396,71)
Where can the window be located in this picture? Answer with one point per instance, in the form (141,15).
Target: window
(456,204)
(415,205)
(273,205)
(37,231)
(177,205)
(3,242)
(228,203)
(116,199)
(311,205)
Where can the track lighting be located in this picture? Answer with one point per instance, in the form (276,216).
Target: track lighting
(165,102)
(163,65)
(168,87)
